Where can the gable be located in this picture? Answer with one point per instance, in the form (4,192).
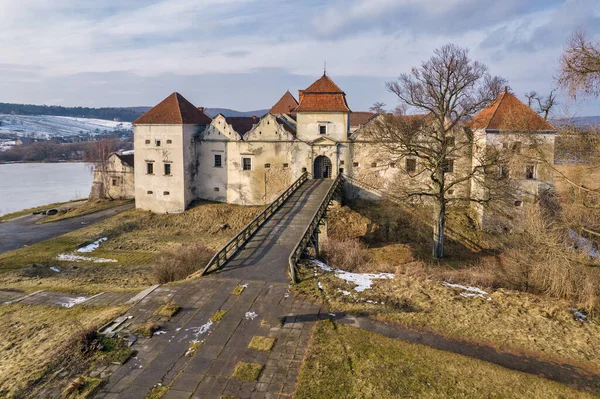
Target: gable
(270,128)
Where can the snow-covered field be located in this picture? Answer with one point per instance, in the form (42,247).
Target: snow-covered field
(49,126)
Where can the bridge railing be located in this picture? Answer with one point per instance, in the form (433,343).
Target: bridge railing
(244,235)
(312,227)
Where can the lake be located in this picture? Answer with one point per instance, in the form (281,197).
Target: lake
(25,185)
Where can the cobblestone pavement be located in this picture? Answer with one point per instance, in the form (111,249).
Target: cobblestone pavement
(164,360)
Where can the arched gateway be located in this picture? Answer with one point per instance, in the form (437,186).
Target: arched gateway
(322,168)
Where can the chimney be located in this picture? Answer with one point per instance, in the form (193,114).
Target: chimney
(201,109)
(253,117)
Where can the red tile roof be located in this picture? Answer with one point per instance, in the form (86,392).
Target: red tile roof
(286,104)
(322,96)
(360,118)
(174,110)
(507,112)
(324,85)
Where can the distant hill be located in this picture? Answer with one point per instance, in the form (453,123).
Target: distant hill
(579,121)
(123,114)
(231,112)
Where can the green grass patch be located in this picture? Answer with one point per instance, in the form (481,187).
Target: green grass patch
(157,392)
(247,371)
(169,309)
(218,315)
(345,362)
(193,348)
(238,290)
(260,343)
(114,350)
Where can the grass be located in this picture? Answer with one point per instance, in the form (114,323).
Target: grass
(537,325)
(135,238)
(82,387)
(33,337)
(169,309)
(260,343)
(86,208)
(343,362)
(28,211)
(193,348)
(238,290)
(247,371)
(157,392)
(146,329)
(114,351)
(218,316)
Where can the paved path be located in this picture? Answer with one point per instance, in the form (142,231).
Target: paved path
(24,231)
(263,309)
(265,256)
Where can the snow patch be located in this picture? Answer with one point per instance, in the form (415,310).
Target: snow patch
(363,281)
(468,292)
(584,245)
(93,246)
(78,258)
(251,315)
(69,302)
(55,269)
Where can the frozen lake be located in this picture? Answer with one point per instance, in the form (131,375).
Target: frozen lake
(25,185)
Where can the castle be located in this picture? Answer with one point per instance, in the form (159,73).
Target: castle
(181,154)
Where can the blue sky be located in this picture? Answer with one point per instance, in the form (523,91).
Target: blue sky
(244,54)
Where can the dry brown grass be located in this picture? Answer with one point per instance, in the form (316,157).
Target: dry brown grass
(32,337)
(178,264)
(346,254)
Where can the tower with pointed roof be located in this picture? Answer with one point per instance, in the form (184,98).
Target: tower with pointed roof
(164,154)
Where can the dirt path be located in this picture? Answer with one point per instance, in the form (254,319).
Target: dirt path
(24,231)
(567,374)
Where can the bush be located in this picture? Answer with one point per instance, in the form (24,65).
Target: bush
(345,254)
(178,264)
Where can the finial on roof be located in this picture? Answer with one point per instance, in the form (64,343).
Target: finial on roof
(506,89)
(325,68)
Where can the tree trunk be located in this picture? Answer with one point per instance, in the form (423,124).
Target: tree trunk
(439,221)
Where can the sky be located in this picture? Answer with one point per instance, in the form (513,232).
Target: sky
(244,54)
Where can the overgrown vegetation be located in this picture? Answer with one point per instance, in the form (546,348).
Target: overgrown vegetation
(169,309)
(247,371)
(178,264)
(218,316)
(344,362)
(147,329)
(37,342)
(260,343)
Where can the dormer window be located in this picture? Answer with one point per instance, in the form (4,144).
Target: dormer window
(322,129)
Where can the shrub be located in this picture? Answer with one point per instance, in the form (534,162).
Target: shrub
(180,263)
(345,254)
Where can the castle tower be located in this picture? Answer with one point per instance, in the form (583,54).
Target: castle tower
(164,154)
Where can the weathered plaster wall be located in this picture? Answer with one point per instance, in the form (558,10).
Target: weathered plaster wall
(119,182)
(308,125)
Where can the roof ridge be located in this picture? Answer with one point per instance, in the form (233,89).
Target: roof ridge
(497,107)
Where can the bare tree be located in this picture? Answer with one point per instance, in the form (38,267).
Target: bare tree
(447,89)
(97,154)
(580,66)
(532,95)
(545,104)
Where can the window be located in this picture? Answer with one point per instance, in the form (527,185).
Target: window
(267,165)
(147,141)
(448,166)
(157,143)
(450,192)
(322,129)
(410,165)
(355,164)
(218,161)
(449,141)
(115,182)
(373,164)
(216,188)
(246,163)
(341,162)
(341,171)
(169,141)
(286,165)
(392,164)
(167,169)
(303,170)
(518,203)
(149,192)
(530,172)
(165,193)
(150,168)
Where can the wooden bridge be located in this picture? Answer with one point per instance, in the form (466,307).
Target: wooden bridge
(269,247)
